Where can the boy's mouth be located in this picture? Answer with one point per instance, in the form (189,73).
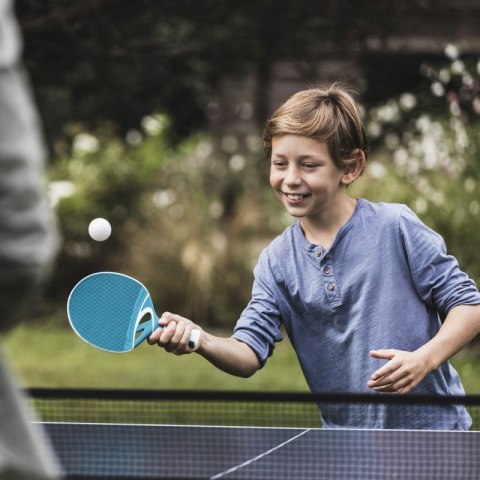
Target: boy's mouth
(294,197)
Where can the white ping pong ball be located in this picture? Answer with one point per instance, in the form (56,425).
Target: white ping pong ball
(99,229)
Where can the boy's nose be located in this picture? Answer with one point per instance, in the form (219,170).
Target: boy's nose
(292,177)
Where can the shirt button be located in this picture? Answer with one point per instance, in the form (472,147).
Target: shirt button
(326,270)
(318,254)
(330,287)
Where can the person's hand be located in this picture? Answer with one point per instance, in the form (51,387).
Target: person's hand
(403,372)
(174,334)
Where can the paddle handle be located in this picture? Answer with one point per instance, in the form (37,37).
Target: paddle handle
(147,329)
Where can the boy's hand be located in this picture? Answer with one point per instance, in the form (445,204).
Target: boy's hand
(403,372)
(174,334)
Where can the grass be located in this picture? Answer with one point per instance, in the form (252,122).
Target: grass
(46,356)
(52,356)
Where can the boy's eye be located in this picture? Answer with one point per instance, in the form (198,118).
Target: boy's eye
(310,165)
(279,163)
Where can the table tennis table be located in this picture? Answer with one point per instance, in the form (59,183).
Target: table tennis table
(124,451)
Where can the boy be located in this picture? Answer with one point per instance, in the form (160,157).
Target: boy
(361,288)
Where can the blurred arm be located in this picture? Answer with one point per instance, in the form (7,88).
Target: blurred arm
(27,235)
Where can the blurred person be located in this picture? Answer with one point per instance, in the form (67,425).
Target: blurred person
(28,242)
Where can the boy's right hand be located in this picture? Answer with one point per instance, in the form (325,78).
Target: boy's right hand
(174,334)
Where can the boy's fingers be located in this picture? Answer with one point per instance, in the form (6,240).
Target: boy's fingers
(178,334)
(401,386)
(166,318)
(390,378)
(386,370)
(386,354)
(389,367)
(167,333)
(153,338)
(186,336)
(180,346)
(163,321)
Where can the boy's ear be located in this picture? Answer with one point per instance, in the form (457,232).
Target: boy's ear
(354,166)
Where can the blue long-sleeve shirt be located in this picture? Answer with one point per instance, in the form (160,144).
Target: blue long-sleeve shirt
(385,282)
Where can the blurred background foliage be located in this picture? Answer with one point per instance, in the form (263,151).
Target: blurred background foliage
(149,126)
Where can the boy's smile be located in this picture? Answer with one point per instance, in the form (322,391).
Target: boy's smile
(304,176)
(295,198)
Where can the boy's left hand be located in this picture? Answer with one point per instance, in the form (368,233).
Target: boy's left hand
(403,372)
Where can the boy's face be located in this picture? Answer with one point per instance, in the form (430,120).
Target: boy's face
(304,177)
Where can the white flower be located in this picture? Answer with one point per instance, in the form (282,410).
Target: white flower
(476,105)
(374,129)
(237,163)
(420,205)
(388,112)
(451,51)
(438,198)
(423,123)
(400,157)
(458,67)
(377,170)
(470,185)
(215,210)
(444,75)
(437,89)
(392,140)
(474,207)
(133,137)
(154,124)
(58,190)
(164,198)
(430,154)
(85,143)
(407,101)
(204,149)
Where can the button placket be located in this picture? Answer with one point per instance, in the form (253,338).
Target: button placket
(330,284)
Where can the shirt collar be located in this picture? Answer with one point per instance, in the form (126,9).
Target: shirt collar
(311,247)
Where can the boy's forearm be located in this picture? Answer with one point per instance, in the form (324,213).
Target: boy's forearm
(229,355)
(460,327)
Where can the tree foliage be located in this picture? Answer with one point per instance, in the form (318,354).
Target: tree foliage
(118,60)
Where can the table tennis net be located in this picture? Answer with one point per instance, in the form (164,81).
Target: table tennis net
(239,435)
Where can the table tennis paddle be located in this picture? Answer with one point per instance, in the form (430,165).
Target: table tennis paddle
(114,312)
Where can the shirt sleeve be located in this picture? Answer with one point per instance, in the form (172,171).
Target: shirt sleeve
(436,275)
(260,322)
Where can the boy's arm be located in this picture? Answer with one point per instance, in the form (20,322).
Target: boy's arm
(405,370)
(227,354)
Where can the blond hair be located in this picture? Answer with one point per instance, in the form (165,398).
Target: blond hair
(329,115)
